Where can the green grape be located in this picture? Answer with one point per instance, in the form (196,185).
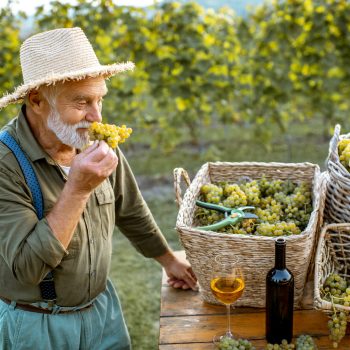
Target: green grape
(227,343)
(235,197)
(274,186)
(212,193)
(336,290)
(252,191)
(283,346)
(111,134)
(344,152)
(337,326)
(305,342)
(283,207)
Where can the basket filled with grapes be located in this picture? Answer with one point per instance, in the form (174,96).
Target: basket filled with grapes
(338,184)
(332,278)
(247,206)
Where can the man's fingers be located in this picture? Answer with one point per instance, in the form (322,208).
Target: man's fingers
(192,282)
(108,163)
(91,148)
(188,281)
(190,278)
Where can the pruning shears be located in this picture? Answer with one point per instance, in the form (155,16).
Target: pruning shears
(232,216)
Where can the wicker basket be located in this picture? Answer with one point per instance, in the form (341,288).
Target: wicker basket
(338,187)
(256,252)
(332,255)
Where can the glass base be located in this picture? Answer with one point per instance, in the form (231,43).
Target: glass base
(221,338)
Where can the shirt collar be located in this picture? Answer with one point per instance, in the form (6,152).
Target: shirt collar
(27,140)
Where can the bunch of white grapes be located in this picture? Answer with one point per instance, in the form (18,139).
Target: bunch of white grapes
(344,152)
(283,206)
(303,342)
(111,134)
(227,343)
(337,291)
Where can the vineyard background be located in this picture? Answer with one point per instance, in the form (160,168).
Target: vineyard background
(267,84)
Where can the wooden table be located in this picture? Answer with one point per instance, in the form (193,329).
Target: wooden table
(188,323)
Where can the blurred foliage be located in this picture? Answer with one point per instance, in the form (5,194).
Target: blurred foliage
(10,70)
(285,61)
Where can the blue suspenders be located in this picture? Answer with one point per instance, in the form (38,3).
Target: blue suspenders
(47,285)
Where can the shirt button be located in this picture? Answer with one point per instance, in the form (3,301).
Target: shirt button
(93,273)
(92,241)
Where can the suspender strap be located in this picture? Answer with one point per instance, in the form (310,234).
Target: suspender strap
(47,286)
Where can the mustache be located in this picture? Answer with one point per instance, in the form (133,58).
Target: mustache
(82,124)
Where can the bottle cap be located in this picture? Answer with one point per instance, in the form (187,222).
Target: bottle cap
(280,241)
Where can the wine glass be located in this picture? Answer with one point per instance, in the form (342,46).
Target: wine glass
(227,285)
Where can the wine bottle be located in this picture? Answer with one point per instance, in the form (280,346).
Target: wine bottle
(279,298)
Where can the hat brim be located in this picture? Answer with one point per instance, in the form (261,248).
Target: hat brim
(103,70)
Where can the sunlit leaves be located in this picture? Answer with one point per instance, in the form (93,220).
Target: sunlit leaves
(287,60)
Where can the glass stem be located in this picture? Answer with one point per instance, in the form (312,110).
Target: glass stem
(228,333)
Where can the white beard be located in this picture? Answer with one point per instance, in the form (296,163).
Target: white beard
(67,133)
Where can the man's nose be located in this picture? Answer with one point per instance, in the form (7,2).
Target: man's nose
(94,113)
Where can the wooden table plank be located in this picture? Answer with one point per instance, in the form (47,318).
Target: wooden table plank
(202,328)
(188,323)
(322,344)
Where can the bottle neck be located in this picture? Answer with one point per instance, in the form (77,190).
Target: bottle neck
(280,256)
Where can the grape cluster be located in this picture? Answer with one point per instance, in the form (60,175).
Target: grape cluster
(212,193)
(344,152)
(303,342)
(283,207)
(337,327)
(235,197)
(278,229)
(337,291)
(111,134)
(283,346)
(227,343)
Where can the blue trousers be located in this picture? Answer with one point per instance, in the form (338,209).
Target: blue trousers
(100,327)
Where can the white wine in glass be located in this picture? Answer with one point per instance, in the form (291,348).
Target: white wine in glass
(227,285)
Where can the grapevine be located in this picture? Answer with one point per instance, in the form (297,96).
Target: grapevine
(111,134)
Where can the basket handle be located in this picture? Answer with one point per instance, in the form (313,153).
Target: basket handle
(180,173)
(333,145)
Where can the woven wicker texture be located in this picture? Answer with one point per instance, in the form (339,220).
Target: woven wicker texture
(332,256)
(338,186)
(256,252)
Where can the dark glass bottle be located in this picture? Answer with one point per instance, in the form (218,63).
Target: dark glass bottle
(279,298)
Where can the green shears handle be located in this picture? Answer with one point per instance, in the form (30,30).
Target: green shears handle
(212,206)
(232,216)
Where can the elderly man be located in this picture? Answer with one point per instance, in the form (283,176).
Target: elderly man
(54,289)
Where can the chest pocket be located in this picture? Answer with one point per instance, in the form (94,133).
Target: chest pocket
(105,203)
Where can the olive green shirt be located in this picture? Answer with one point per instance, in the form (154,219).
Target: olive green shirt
(28,247)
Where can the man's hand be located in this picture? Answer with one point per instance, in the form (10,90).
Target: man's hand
(179,272)
(91,167)
(88,170)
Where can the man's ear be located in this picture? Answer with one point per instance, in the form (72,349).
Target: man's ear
(37,101)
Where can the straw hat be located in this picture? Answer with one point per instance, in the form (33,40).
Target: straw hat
(58,55)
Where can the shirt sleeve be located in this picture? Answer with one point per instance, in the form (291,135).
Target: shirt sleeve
(133,216)
(27,245)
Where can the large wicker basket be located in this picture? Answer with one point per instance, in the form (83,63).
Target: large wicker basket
(338,187)
(256,252)
(332,256)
